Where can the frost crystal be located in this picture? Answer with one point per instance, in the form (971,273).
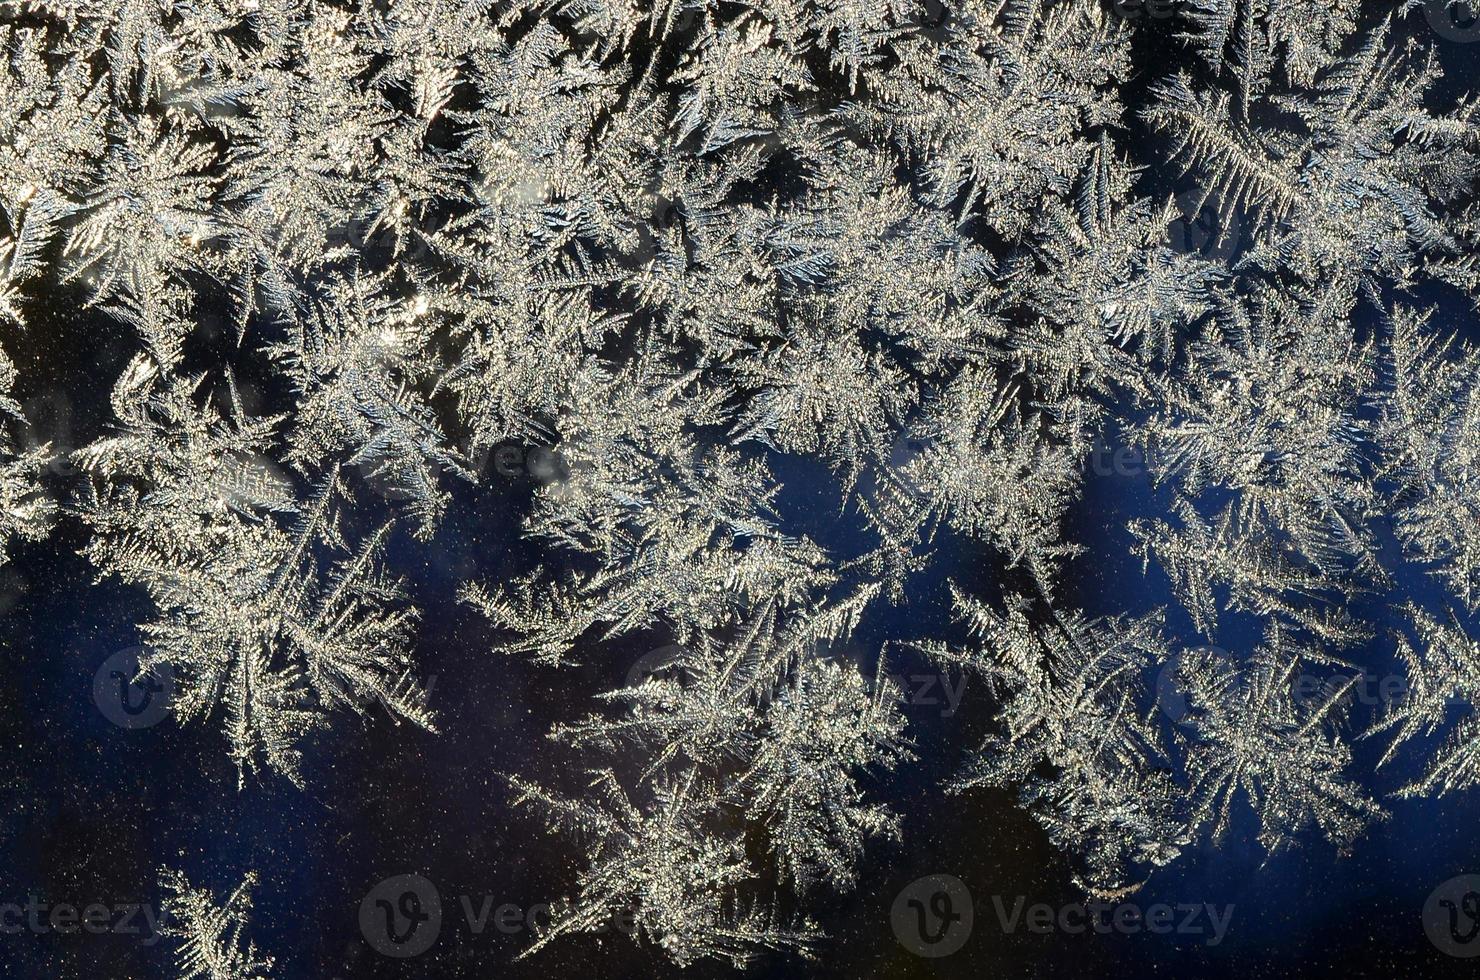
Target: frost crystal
(794,312)
(208,935)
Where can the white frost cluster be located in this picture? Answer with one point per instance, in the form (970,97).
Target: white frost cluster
(692,245)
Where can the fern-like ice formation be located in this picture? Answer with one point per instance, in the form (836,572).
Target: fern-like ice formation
(701,259)
(208,935)
(252,621)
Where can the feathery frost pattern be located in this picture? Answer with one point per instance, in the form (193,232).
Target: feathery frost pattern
(208,936)
(805,320)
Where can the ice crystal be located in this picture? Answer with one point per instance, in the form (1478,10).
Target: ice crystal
(795,311)
(209,935)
